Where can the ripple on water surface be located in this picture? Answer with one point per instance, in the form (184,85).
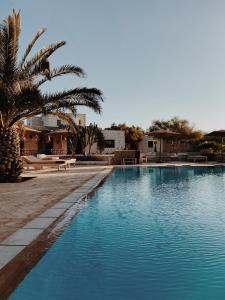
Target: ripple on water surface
(145,234)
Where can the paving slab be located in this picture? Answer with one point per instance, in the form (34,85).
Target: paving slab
(22,237)
(73,198)
(40,223)
(82,189)
(53,213)
(61,204)
(7,253)
(77,193)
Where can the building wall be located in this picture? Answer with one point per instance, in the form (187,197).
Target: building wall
(80,119)
(177,146)
(59,144)
(118,136)
(120,155)
(167,145)
(30,140)
(35,122)
(52,122)
(144,144)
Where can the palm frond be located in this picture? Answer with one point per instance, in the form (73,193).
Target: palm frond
(63,70)
(13,26)
(9,40)
(41,68)
(28,100)
(42,54)
(30,46)
(90,97)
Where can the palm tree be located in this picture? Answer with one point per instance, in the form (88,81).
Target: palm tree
(20,91)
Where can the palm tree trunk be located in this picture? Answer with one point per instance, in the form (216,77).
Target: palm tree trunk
(10,161)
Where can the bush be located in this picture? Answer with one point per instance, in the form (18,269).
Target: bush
(209,153)
(215,147)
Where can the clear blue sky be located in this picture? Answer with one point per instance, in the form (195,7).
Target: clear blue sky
(151,58)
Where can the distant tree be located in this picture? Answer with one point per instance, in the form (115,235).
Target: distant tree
(94,135)
(133,134)
(205,145)
(77,140)
(176,124)
(84,137)
(210,149)
(100,140)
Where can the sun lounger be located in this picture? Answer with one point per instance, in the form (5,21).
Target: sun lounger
(39,164)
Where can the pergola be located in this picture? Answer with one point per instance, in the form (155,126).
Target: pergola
(163,134)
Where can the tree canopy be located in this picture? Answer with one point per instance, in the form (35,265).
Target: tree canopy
(176,124)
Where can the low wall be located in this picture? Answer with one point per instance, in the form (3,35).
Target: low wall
(102,158)
(121,154)
(91,162)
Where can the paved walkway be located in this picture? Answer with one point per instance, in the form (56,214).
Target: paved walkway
(22,202)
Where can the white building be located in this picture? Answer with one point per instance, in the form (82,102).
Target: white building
(53,122)
(114,140)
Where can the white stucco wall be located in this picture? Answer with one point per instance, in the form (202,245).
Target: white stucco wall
(117,135)
(35,122)
(51,121)
(80,119)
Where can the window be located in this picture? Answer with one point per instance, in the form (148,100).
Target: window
(59,123)
(109,143)
(150,144)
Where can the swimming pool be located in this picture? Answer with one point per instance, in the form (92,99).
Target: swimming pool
(145,234)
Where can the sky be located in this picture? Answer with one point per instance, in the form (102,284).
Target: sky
(153,59)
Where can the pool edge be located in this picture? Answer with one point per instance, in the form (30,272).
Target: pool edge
(24,253)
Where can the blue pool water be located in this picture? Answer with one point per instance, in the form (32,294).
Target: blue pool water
(146,234)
